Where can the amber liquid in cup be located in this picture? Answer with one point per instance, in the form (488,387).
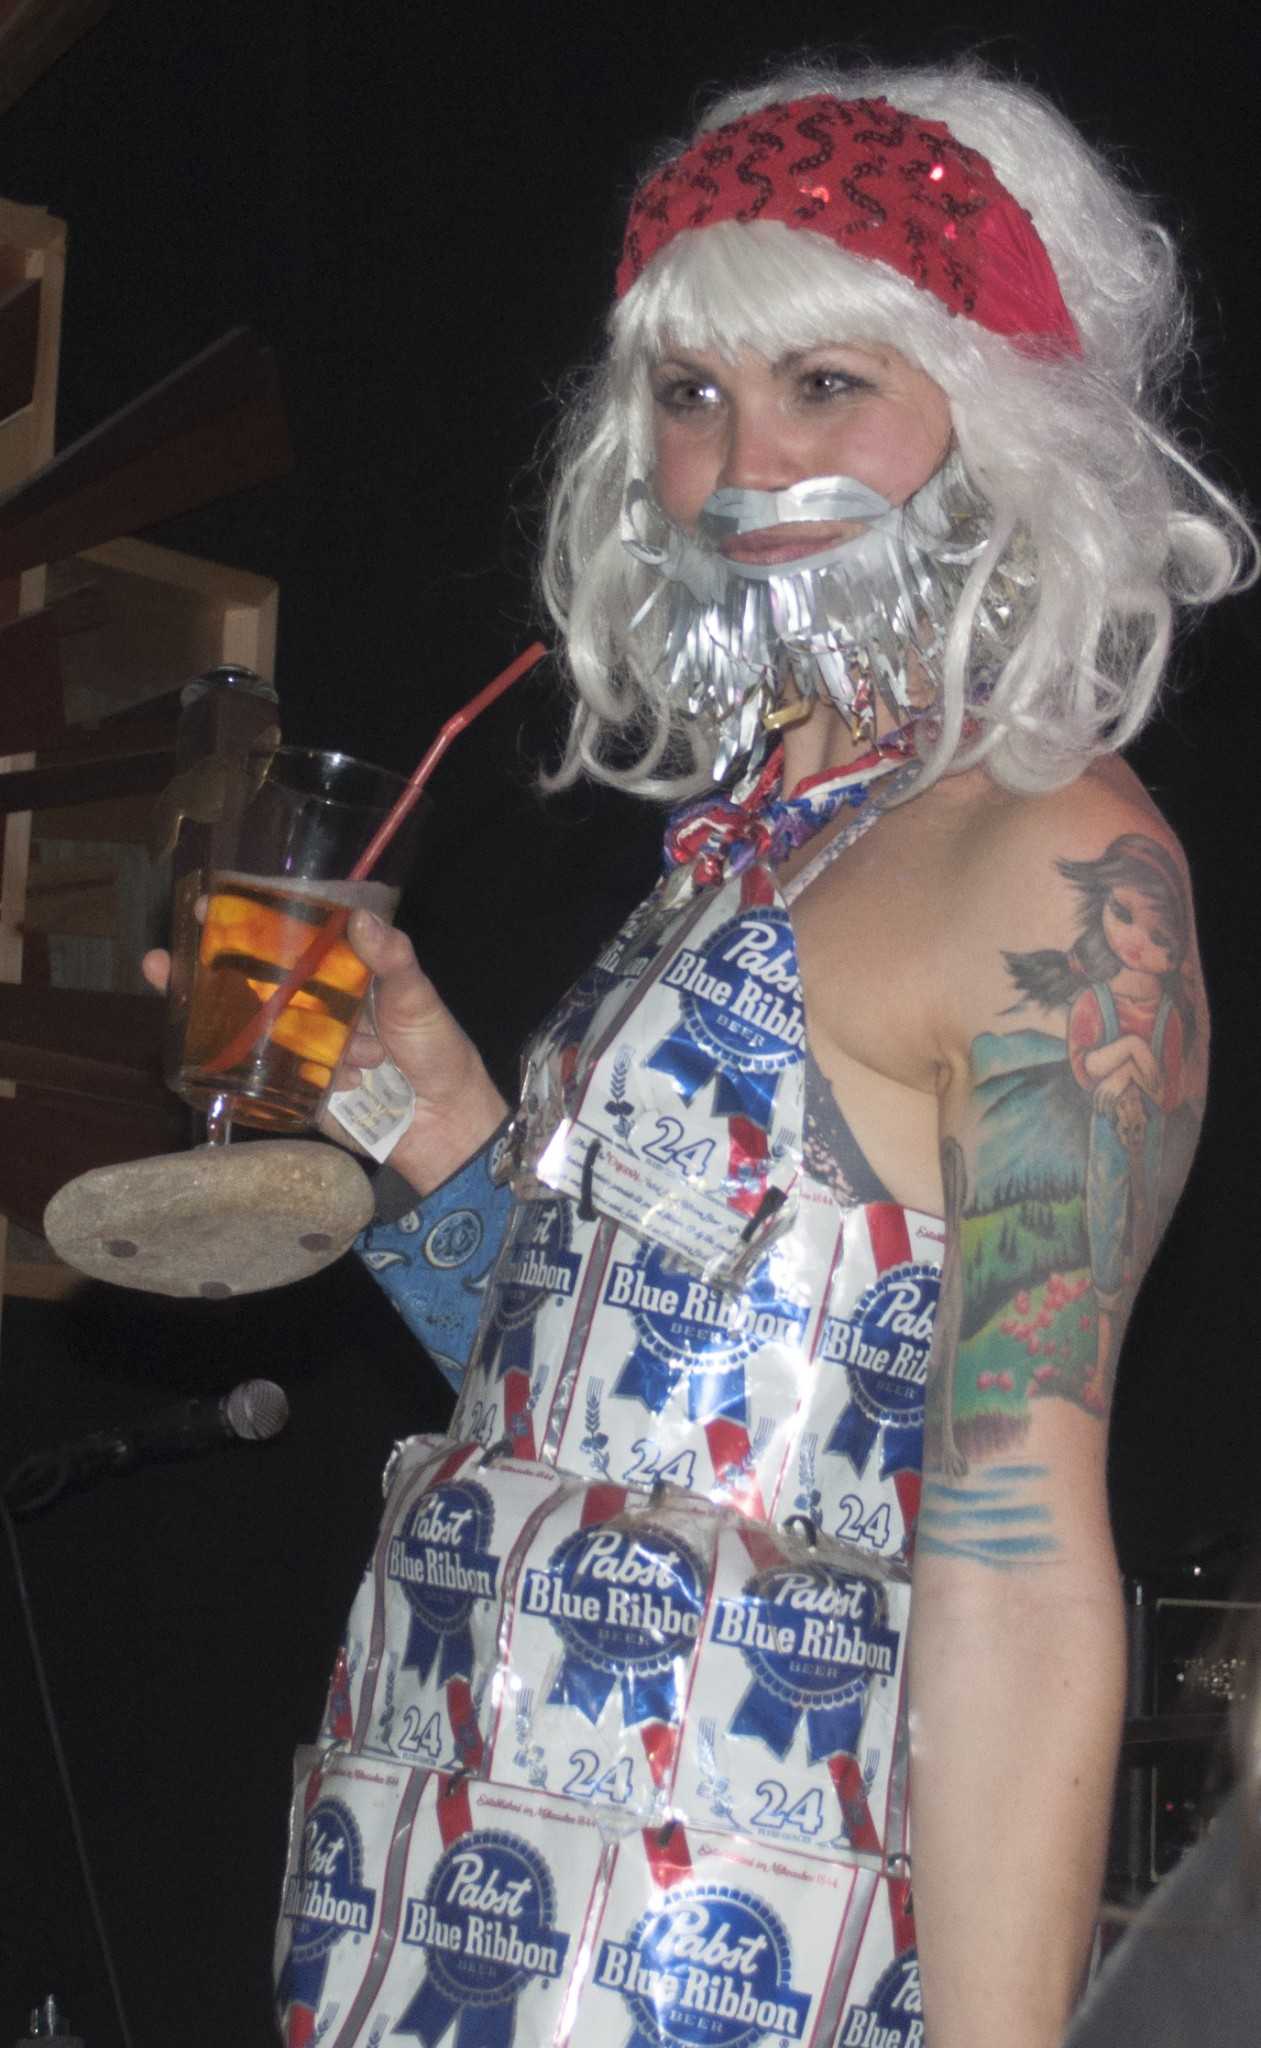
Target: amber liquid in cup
(255,929)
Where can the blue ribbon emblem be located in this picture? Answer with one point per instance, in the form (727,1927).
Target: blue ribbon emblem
(884,1347)
(895,2008)
(731,1952)
(837,1640)
(536,1262)
(741,1021)
(324,1901)
(485,1922)
(686,1328)
(441,1558)
(646,1589)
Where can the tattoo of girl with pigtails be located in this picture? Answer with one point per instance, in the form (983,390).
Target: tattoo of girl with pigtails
(1131,1023)
(1084,1122)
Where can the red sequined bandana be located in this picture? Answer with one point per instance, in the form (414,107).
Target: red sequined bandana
(877,182)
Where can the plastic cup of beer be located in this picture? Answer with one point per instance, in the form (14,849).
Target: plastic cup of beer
(295,824)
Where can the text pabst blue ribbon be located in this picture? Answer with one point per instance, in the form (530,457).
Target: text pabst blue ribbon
(324,1900)
(814,1639)
(485,1922)
(740,1022)
(626,1606)
(685,1328)
(537,1263)
(442,1561)
(711,1965)
(883,1347)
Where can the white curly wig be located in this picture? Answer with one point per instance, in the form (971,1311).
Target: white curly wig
(1069,460)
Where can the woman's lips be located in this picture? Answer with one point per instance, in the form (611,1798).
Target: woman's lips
(788,543)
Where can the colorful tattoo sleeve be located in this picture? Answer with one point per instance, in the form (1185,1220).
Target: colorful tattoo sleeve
(1078,1133)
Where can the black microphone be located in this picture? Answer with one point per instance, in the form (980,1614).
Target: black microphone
(251,1413)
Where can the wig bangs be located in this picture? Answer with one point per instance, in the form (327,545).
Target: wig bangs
(769,289)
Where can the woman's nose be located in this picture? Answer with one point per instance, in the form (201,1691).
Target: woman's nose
(758,455)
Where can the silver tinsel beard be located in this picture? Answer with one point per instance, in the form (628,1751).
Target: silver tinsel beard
(863,619)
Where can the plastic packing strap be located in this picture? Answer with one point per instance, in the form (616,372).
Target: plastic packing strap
(792,1733)
(602,1610)
(423,1635)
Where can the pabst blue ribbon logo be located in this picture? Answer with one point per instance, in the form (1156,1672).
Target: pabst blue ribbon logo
(711,1967)
(683,1326)
(440,1557)
(536,1262)
(884,1347)
(485,1924)
(325,1900)
(626,1604)
(892,2018)
(814,1637)
(741,1021)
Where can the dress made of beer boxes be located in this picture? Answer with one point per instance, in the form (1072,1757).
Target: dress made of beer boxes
(615,1747)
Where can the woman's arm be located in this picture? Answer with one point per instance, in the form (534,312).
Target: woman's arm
(1017,1676)
(1017,1640)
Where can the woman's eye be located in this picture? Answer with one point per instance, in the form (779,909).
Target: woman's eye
(687,394)
(1121,914)
(822,384)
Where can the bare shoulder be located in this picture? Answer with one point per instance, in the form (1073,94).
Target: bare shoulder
(1012,846)
(1089,873)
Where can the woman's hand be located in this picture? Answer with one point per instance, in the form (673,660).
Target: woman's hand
(458,1106)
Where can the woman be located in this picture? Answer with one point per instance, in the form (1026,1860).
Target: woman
(874,472)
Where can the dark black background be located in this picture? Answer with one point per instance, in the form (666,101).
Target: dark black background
(419,208)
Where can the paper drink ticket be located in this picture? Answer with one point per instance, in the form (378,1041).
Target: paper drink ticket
(790,1730)
(709,1942)
(601,1617)
(442,1909)
(856,1464)
(422,1642)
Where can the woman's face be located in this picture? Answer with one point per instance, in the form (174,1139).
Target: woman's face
(1137,931)
(835,410)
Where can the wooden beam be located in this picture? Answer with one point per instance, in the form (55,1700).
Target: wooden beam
(143,773)
(34,34)
(214,426)
(89,1041)
(32,701)
(19,332)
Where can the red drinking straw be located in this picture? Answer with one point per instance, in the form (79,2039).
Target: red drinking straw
(327,936)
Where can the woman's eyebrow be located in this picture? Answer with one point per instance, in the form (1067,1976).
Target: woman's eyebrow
(793,358)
